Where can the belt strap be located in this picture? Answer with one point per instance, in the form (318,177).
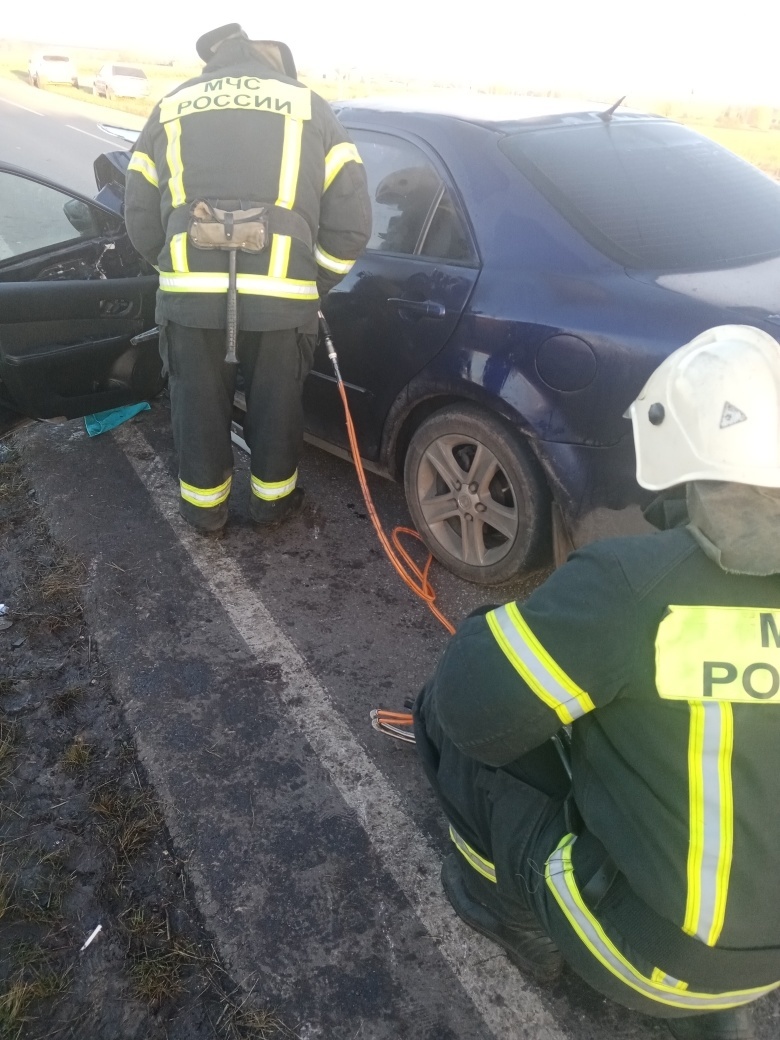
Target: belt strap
(280,221)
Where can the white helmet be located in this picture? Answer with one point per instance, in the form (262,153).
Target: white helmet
(711,411)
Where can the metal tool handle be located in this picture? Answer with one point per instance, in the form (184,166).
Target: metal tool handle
(231,329)
(331,350)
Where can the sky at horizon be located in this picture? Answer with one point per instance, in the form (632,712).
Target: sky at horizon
(677,48)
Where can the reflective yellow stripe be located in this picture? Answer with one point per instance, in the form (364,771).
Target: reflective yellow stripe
(251,284)
(337,158)
(205,497)
(479,863)
(280,256)
(559,876)
(711,825)
(535,666)
(291,162)
(332,263)
(269,491)
(144,164)
(179,253)
(175,165)
(668,980)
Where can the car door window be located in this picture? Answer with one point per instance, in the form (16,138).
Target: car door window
(35,216)
(412,208)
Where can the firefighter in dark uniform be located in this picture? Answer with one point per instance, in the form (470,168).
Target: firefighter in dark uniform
(244,133)
(648,668)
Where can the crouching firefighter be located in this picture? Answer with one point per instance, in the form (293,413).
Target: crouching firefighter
(648,858)
(243,189)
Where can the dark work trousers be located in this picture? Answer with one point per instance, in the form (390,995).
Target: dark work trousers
(274,366)
(514,817)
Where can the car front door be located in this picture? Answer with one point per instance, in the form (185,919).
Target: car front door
(402,300)
(73,295)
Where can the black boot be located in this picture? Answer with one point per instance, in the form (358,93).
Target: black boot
(205,521)
(734,1024)
(276,511)
(517,931)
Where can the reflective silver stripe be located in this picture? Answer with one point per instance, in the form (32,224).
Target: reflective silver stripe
(205,497)
(332,263)
(535,666)
(711,800)
(479,863)
(336,158)
(175,165)
(291,162)
(280,256)
(144,164)
(252,284)
(179,253)
(270,491)
(559,875)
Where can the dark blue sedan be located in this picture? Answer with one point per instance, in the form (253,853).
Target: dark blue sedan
(531,263)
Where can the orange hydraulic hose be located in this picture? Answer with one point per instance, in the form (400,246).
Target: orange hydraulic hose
(413,575)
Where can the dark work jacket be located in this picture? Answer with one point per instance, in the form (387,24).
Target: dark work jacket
(244,133)
(651,776)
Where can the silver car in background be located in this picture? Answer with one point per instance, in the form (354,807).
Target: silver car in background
(120,80)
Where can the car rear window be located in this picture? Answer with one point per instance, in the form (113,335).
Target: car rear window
(653,194)
(128,70)
(56,57)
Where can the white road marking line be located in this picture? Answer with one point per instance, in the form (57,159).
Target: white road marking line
(17,105)
(499,992)
(80,131)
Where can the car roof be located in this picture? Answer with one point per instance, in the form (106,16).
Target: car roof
(499,110)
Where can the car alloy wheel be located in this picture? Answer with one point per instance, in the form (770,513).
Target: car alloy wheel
(477,495)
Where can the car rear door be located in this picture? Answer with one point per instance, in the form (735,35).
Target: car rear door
(402,300)
(73,295)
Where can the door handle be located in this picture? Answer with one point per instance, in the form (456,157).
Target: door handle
(419,308)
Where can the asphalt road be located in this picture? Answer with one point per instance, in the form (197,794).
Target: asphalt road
(55,136)
(247,667)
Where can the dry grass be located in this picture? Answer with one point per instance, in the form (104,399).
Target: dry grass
(7,888)
(25,987)
(12,483)
(157,977)
(78,756)
(130,820)
(9,736)
(65,701)
(64,578)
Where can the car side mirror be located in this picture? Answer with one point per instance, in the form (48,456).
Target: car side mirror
(82,217)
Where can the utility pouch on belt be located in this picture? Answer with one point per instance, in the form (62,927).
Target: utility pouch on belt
(230,229)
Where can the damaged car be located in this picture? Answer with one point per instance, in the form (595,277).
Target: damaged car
(531,262)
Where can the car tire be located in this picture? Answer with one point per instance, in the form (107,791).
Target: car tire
(453,513)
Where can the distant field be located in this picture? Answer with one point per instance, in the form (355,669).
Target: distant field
(760,147)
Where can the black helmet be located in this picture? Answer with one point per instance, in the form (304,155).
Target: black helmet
(208,42)
(273,52)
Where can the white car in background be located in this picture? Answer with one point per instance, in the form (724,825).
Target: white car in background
(51,67)
(119,80)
